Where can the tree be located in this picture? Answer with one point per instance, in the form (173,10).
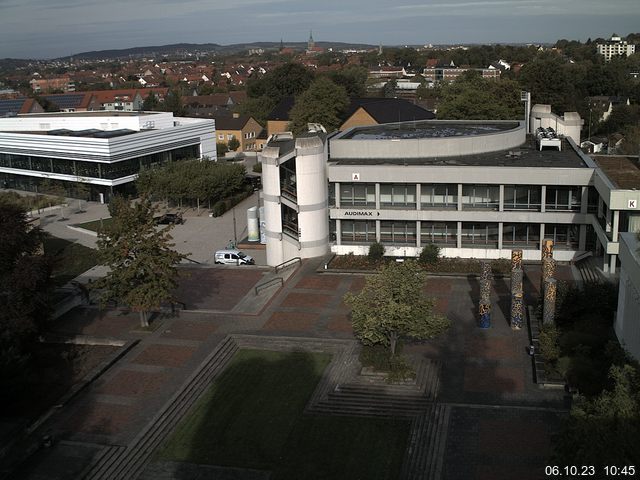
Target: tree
(471,97)
(429,254)
(221,148)
(376,252)
(389,89)
(24,292)
(141,261)
(323,102)
(392,305)
(234,144)
(284,81)
(605,429)
(173,103)
(353,78)
(549,81)
(150,103)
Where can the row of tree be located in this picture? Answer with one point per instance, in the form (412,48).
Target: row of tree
(192,182)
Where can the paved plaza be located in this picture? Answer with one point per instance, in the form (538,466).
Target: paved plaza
(496,423)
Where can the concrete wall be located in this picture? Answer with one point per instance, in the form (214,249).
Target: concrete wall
(568,125)
(429,147)
(627,324)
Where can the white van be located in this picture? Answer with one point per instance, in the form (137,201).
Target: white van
(233,257)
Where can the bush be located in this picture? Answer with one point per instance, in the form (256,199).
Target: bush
(221,148)
(234,144)
(376,357)
(400,370)
(429,254)
(257,168)
(376,252)
(219,208)
(549,343)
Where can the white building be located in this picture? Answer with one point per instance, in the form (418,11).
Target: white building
(627,324)
(476,189)
(614,47)
(105,150)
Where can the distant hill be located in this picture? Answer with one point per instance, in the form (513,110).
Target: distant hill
(194,48)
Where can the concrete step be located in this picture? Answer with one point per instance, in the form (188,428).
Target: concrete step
(129,463)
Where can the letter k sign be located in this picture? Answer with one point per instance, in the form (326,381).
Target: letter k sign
(633,204)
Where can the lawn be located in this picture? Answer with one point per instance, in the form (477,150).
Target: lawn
(94,225)
(70,259)
(252,417)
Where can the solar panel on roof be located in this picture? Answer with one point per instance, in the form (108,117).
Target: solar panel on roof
(11,106)
(70,100)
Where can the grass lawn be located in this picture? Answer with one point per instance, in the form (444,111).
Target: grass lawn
(70,259)
(94,225)
(252,417)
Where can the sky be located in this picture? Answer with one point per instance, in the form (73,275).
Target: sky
(54,28)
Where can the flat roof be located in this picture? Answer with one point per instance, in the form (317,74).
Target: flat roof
(624,172)
(92,113)
(526,155)
(428,129)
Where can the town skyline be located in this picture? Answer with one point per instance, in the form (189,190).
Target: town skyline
(57,28)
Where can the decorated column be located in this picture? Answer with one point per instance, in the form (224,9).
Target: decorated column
(549,307)
(485,296)
(517,299)
(516,259)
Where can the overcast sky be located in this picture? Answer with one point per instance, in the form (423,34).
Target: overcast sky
(53,28)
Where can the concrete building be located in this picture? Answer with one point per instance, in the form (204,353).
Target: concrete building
(614,47)
(477,189)
(627,324)
(104,150)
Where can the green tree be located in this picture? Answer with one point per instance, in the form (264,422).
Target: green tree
(173,103)
(429,254)
(389,89)
(549,81)
(604,430)
(284,81)
(323,102)
(234,144)
(150,103)
(471,97)
(353,78)
(141,261)
(258,108)
(221,148)
(392,305)
(24,293)
(376,252)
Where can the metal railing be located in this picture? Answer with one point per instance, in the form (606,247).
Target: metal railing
(268,283)
(288,263)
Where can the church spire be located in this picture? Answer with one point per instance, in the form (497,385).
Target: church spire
(310,43)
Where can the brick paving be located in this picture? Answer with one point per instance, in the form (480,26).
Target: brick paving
(486,377)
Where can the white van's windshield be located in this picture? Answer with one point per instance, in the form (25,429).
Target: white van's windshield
(241,255)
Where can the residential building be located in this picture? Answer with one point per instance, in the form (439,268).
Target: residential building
(105,150)
(615,47)
(15,106)
(476,189)
(43,85)
(602,106)
(360,112)
(450,73)
(244,128)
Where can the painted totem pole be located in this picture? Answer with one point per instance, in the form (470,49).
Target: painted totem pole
(517,291)
(484,309)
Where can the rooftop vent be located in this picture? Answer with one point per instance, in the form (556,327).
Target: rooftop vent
(547,137)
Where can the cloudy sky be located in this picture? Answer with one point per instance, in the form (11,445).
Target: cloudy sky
(52,28)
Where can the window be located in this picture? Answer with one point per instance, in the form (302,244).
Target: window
(439,233)
(481,197)
(522,197)
(439,196)
(357,231)
(398,233)
(397,196)
(563,198)
(565,237)
(221,137)
(521,235)
(484,235)
(229,137)
(288,184)
(290,222)
(357,195)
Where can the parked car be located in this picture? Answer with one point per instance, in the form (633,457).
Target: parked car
(169,219)
(233,257)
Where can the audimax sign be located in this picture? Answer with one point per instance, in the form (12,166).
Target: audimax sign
(360,213)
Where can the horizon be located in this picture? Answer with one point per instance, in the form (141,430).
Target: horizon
(48,29)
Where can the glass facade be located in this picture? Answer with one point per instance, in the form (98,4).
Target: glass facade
(522,197)
(485,197)
(290,222)
(443,234)
(104,170)
(438,196)
(358,231)
(563,198)
(288,183)
(398,196)
(358,195)
(565,237)
(398,233)
(524,235)
(480,235)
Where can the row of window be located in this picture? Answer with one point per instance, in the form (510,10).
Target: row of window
(445,234)
(108,171)
(445,196)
